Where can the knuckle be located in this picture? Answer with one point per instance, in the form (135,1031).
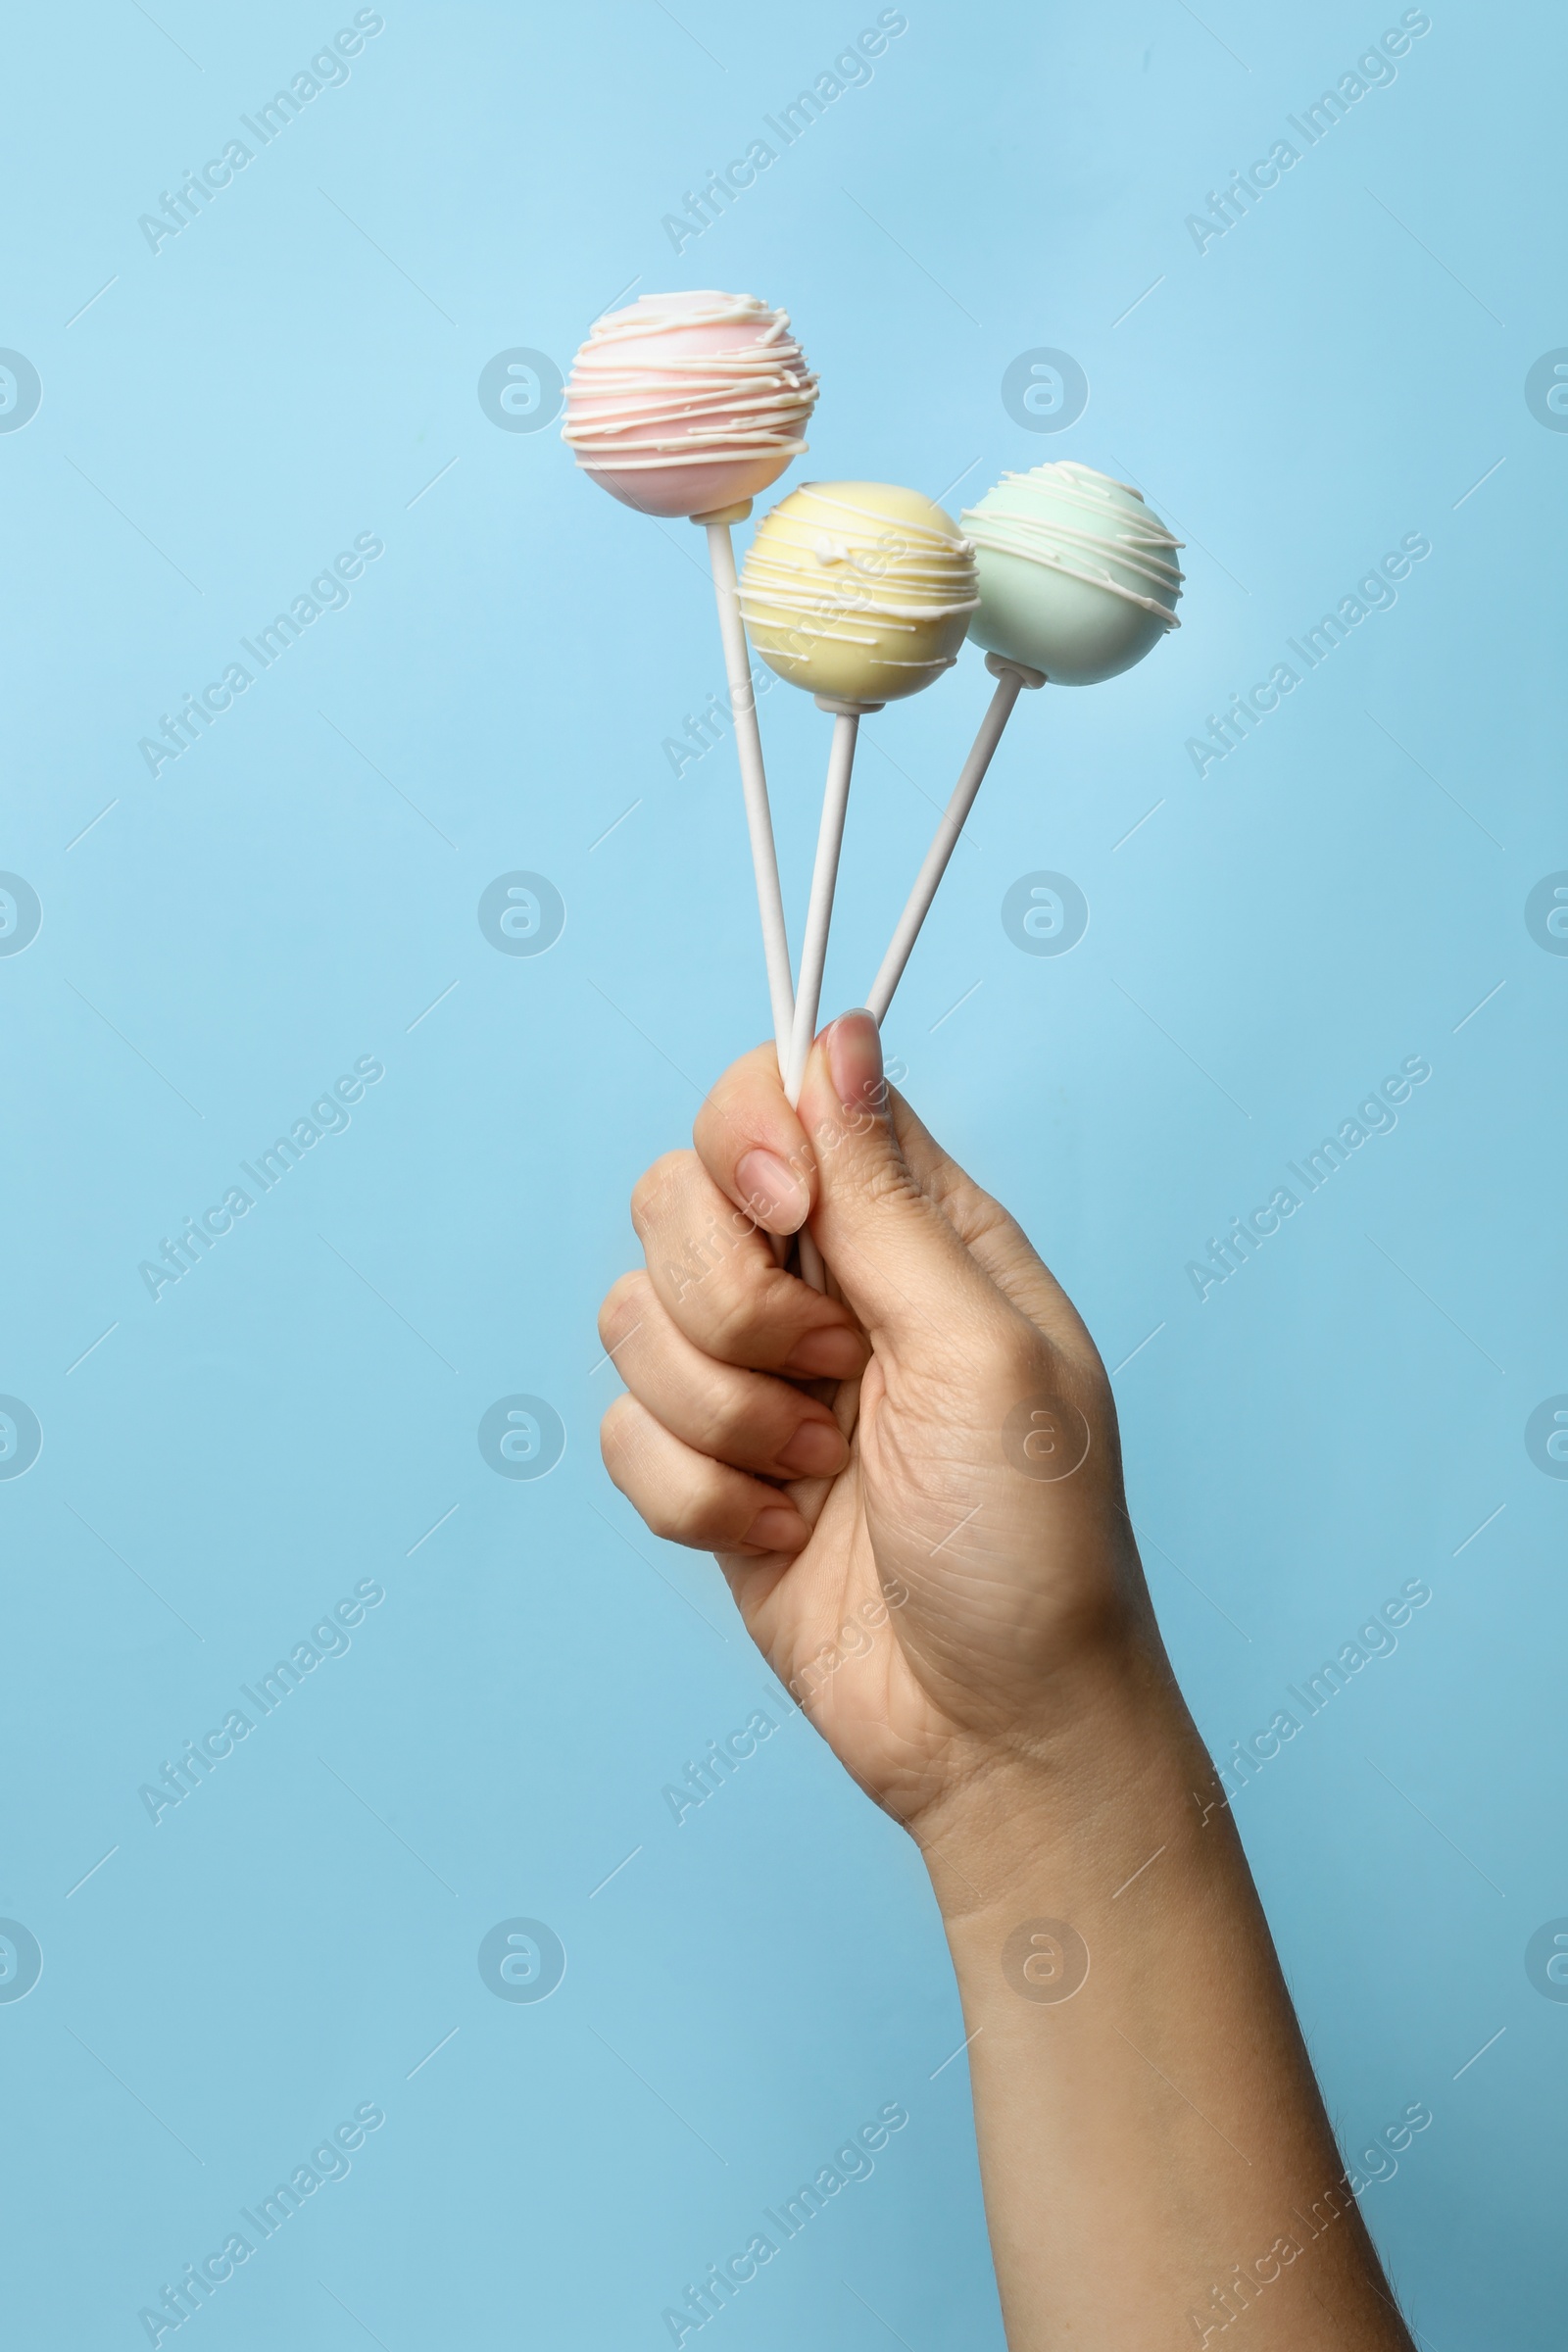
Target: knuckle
(732,1327)
(658,1186)
(615,1439)
(678,1500)
(717,1130)
(887,1183)
(726,1423)
(625,1306)
(704,1261)
(680,1511)
(661,1519)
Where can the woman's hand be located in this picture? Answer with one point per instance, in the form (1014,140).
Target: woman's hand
(916,1496)
(933,1553)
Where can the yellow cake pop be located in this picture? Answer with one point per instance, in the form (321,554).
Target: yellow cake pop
(859,592)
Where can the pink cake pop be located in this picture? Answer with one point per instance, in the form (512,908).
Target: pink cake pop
(686,404)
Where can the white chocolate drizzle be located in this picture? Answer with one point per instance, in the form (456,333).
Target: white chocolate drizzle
(845,572)
(1138,542)
(684,407)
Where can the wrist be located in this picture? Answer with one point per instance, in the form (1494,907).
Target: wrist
(1060,1805)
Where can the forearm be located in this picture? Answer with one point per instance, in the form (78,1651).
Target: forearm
(1156,2161)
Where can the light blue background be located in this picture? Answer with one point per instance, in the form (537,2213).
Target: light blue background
(294,893)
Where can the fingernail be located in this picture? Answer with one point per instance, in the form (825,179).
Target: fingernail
(854,1061)
(835,1354)
(817,1450)
(778,1527)
(775,1195)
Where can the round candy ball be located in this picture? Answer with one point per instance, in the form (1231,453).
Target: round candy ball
(686,404)
(1078,577)
(861,591)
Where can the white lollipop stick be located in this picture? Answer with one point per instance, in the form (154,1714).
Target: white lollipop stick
(818,918)
(754,777)
(1011,678)
(824,881)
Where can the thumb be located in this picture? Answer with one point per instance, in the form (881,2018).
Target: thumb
(900,1265)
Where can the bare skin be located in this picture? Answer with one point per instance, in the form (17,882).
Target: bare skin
(915,1491)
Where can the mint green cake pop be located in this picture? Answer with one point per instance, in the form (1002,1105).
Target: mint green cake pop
(1078,577)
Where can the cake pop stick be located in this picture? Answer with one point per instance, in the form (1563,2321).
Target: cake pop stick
(690,404)
(1077,582)
(847,718)
(858,592)
(754,777)
(1011,678)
